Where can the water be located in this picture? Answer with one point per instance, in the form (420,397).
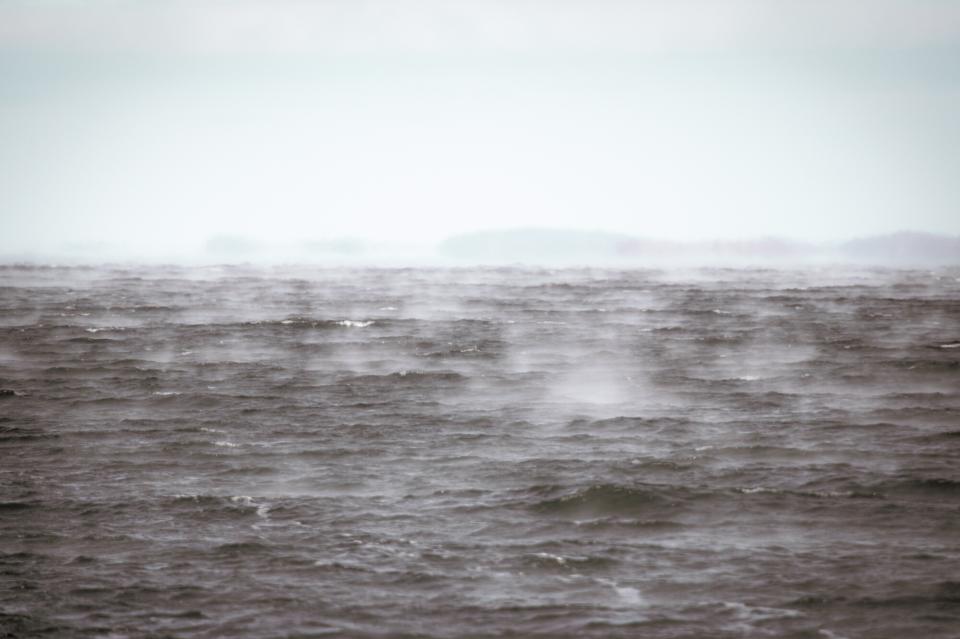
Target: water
(299,452)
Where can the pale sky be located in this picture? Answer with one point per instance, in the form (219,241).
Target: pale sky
(156,125)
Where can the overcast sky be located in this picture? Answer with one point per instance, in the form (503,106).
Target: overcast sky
(160,124)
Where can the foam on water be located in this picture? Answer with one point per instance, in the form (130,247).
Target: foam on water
(355,323)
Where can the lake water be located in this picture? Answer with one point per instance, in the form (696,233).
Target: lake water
(501,452)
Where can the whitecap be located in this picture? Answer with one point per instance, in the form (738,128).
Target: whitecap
(355,323)
(760,490)
(557,558)
(226,444)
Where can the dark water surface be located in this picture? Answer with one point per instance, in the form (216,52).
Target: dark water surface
(298,452)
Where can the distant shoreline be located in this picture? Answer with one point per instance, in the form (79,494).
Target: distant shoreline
(528,246)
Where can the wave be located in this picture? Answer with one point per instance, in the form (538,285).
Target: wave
(13,506)
(410,376)
(929,487)
(638,525)
(550,562)
(816,494)
(944,595)
(604,499)
(299,323)
(216,504)
(243,549)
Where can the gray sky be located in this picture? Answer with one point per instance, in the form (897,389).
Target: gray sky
(160,124)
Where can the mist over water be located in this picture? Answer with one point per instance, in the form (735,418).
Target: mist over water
(305,451)
(407,408)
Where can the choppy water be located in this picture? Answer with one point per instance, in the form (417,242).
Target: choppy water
(241,452)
